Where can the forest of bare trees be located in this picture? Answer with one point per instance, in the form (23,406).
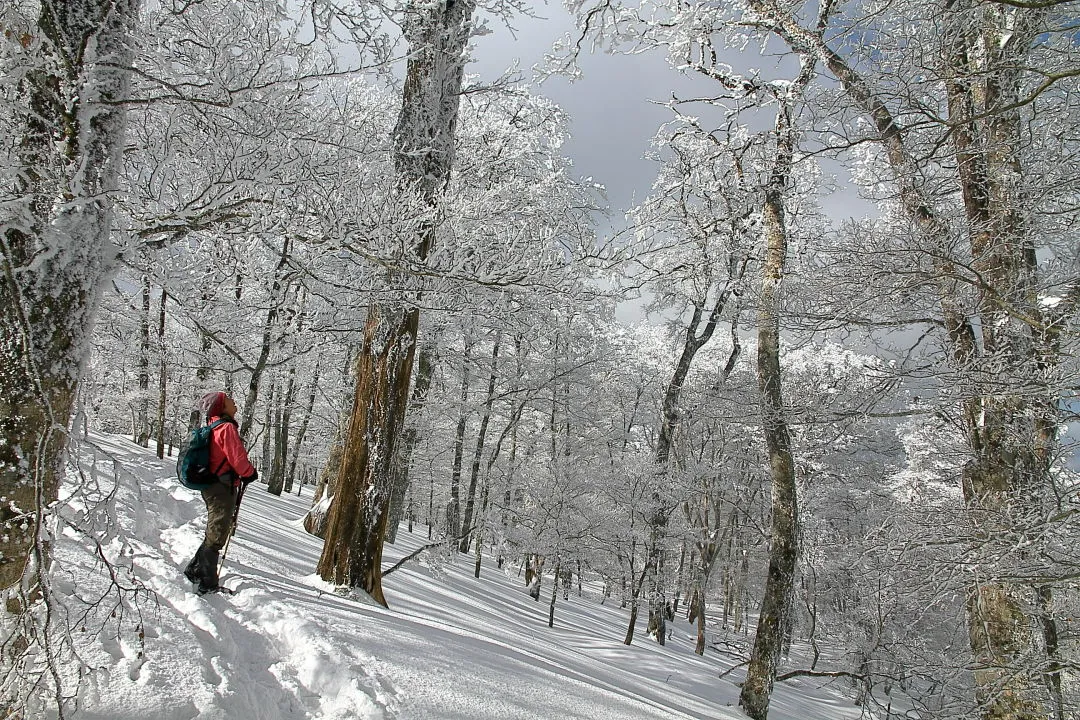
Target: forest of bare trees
(850,430)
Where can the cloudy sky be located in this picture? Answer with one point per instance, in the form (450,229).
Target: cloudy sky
(612,105)
(612,118)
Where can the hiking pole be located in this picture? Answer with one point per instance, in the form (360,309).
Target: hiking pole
(232,531)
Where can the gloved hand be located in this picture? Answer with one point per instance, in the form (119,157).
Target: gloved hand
(250,478)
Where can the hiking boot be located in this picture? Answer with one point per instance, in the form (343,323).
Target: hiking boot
(203,589)
(206,568)
(191,572)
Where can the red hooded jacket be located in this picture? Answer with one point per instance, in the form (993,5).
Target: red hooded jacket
(227,453)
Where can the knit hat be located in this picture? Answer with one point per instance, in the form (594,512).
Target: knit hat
(211,403)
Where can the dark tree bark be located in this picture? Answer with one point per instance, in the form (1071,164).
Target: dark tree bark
(265,462)
(699,331)
(356,526)
(276,483)
(554,593)
(278,289)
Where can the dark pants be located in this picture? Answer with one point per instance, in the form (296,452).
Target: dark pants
(220,500)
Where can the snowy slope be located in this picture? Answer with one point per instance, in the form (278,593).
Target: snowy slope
(286,646)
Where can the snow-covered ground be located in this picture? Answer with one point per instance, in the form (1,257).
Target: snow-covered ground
(286,646)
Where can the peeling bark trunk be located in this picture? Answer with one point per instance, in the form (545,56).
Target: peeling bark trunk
(356,526)
(438,36)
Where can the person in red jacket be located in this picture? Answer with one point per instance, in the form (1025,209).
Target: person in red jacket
(230,462)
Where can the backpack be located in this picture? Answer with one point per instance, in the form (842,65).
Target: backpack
(193,463)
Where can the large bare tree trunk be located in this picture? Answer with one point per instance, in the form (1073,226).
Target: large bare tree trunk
(994,324)
(1007,475)
(775,616)
(438,35)
(57,255)
(352,552)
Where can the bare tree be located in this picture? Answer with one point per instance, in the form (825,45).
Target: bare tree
(352,553)
(57,253)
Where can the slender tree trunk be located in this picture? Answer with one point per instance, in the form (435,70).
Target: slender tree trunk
(162,377)
(142,403)
(268,429)
(453,510)
(57,255)
(775,616)
(679,578)
(281,434)
(425,373)
(302,432)
(202,372)
(635,594)
(699,331)
(474,472)
(431,508)
(277,296)
(554,592)
(480,530)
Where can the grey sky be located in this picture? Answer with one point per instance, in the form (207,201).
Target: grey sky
(612,120)
(612,106)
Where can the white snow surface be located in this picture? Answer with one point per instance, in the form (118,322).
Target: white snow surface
(285,646)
